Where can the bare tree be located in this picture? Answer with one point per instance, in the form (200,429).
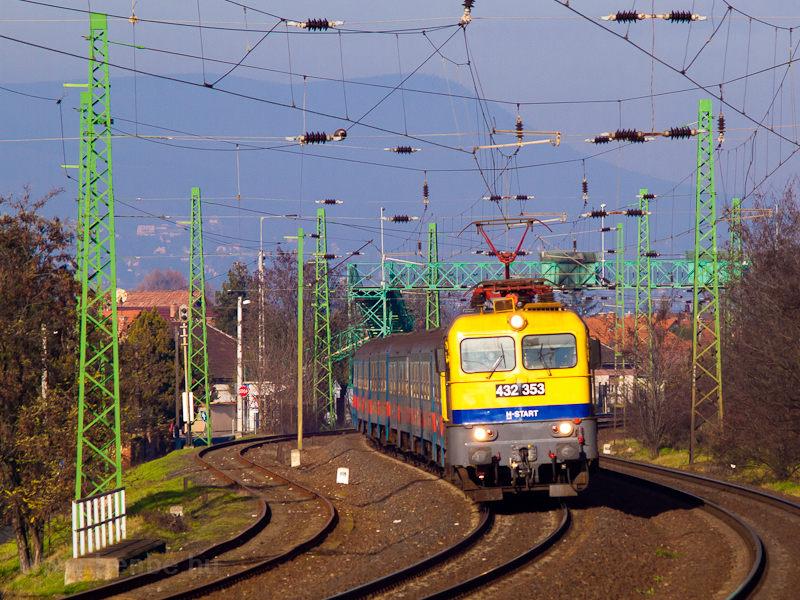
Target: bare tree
(761,329)
(661,386)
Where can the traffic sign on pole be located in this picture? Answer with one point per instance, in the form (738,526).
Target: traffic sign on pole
(243,391)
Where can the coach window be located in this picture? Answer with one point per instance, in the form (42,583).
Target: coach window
(557,351)
(486,355)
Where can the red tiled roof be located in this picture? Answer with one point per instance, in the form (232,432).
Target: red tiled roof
(602,327)
(158,299)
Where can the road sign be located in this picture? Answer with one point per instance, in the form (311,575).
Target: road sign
(254,404)
(203,415)
(243,390)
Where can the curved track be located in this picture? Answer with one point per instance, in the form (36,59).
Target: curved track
(645,474)
(218,551)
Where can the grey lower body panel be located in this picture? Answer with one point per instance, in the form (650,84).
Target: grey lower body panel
(535,437)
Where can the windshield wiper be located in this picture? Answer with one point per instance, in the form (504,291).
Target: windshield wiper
(494,366)
(544,362)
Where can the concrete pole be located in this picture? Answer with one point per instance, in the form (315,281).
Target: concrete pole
(189,400)
(300,339)
(177,386)
(239,369)
(603,242)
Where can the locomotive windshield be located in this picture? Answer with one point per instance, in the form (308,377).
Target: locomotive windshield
(557,351)
(484,355)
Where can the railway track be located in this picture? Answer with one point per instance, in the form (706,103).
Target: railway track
(428,578)
(774,578)
(775,522)
(229,562)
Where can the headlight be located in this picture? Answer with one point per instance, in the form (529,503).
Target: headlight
(564,428)
(481,434)
(517,321)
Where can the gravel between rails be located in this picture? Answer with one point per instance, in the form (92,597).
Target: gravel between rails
(391,515)
(627,542)
(779,530)
(516,528)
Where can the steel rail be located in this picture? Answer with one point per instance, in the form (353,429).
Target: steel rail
(271,563)
(127,584)
(526,557)
(426,564)
(755,548)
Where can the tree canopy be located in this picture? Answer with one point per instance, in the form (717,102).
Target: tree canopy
(38,293)
(147,374)
(240,282)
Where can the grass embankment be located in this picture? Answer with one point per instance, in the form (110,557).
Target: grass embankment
(211,514)
(631,449)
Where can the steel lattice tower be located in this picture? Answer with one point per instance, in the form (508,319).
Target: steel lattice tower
(99,464)
(323,367)
(199,381)
(706,355)
(644,288)
(432,312)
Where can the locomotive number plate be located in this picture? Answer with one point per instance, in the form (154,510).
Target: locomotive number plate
(507,390)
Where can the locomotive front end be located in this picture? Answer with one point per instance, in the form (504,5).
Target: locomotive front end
(519,406)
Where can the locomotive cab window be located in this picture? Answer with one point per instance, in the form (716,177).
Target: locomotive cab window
(557,351)
(484,355)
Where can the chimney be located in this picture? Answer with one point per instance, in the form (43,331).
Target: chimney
(173,310)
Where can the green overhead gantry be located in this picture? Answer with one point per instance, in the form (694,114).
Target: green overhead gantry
(706,349)
(324,400)
(199,378)
(99,461)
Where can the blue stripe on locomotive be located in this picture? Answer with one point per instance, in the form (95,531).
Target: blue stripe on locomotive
(522,413)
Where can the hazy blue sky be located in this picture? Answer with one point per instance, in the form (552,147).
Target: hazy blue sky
(569,73)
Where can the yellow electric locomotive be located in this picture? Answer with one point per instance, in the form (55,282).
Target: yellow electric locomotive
(501,400)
